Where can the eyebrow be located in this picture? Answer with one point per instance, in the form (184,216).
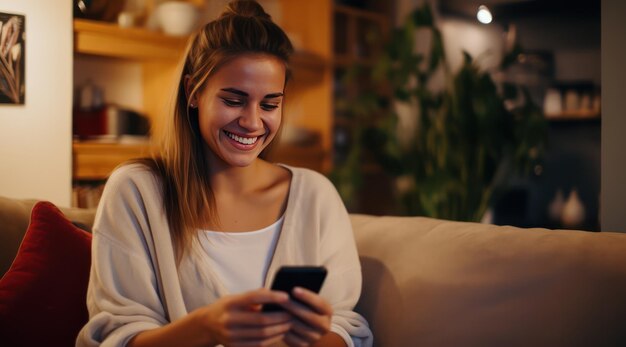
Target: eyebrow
(242,93)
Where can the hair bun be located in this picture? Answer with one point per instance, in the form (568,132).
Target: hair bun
(245,8)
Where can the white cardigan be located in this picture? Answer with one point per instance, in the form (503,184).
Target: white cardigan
(135,284)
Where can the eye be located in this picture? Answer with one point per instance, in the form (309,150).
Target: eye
(269,107)
(232,102)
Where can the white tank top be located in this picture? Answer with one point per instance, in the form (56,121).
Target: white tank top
(241,259)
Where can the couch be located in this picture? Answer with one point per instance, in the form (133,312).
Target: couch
(431,282)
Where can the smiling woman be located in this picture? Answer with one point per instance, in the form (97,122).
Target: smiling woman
(154,282)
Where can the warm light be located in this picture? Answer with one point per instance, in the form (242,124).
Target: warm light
(484,15)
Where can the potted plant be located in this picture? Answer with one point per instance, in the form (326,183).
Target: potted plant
(468,136)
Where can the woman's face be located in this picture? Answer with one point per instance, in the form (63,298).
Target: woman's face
(240,109)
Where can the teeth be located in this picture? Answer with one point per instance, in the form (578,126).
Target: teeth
(242,140)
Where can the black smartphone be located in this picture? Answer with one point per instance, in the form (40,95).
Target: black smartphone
(288,277)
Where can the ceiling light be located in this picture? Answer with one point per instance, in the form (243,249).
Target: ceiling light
(484,15)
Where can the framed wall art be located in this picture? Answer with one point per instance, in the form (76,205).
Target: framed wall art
(12,53)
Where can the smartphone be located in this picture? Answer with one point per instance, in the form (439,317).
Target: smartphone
(288,277)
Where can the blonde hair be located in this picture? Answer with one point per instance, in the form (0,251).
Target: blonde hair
(189,203)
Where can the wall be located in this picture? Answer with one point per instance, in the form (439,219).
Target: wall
(35,138)
(572,40)
(572,159)
(613,191)
(483,42)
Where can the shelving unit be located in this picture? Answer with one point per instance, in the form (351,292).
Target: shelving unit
(357,41)
(356,31)
(358,38)
(157,55)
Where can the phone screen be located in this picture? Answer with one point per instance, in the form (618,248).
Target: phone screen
(288,277)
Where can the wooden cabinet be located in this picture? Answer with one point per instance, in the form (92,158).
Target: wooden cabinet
(92,161)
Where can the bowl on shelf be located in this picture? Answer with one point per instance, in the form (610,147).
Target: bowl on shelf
(177,18)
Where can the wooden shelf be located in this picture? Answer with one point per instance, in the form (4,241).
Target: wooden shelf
(359,13)
(566,116)
(96,161)
(110,40)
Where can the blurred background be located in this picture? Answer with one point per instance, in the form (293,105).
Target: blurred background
(458,109)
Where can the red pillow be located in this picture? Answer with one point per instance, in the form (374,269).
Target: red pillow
(43,295)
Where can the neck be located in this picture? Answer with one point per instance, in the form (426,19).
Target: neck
(235,180)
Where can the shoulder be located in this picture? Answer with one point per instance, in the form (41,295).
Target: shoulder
(132,182)
(307,178)
(311,187)
(131,171)
(130,214)
(132,174)
(131,197)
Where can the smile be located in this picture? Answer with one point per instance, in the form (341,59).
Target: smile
(242,140)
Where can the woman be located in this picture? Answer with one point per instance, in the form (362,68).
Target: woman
(184,244)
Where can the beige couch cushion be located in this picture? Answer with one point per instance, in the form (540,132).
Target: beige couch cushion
(430,283)
(14,218)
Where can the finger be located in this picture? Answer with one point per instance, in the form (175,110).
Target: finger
(256,343)
(310,308)
(293,340)
(313,299)
(306,315)
(272,341)
(259,333)
(305,332)
(257,297)
(256,319)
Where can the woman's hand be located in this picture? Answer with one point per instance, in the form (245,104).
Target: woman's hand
(237,320)
(311,321)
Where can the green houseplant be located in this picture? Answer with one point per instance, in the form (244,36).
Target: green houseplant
(469,135)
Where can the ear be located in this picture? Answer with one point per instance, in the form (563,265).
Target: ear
(188,89)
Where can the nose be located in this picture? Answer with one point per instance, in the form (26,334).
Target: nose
(250,118)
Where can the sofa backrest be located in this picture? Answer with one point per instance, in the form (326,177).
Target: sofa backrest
(429,282)
(432,282)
